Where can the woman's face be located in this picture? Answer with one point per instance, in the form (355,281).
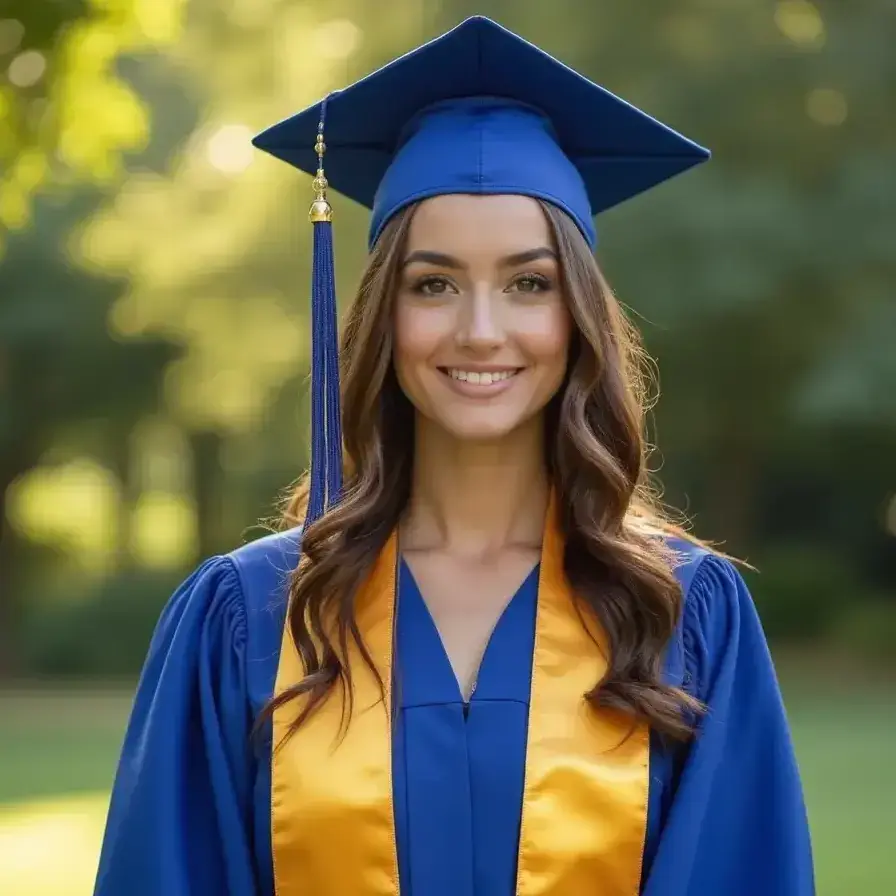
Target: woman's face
(481,326)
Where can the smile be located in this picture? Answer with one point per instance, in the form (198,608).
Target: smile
(480,377)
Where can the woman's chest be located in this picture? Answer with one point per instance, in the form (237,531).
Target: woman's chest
(444,797)
(462,604)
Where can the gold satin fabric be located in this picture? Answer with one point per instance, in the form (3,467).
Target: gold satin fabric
(584,813)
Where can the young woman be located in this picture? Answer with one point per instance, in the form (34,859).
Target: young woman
(496,668)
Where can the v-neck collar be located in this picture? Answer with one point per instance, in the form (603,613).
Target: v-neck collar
(424,671)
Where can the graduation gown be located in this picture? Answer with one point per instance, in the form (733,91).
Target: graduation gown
(191,809)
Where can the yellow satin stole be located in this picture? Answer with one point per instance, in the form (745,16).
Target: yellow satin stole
(584,813)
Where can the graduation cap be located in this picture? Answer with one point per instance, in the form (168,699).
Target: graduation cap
(478,110)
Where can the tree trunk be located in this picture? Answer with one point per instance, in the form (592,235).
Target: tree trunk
(122,462)
(207,486)
(9,596)
(730,505)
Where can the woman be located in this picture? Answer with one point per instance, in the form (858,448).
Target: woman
(497,669)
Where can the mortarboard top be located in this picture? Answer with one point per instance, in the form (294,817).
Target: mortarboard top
(477,110)
(617,150)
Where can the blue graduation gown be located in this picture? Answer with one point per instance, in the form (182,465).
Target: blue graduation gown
(190,809)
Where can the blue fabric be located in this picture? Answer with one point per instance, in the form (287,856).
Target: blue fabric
(326,419)
(737,822)
(190,811)
(391,137)
(473,146)
(458,769)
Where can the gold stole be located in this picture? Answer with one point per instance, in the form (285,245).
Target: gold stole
(584,813)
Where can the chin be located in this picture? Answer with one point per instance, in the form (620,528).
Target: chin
(480,427)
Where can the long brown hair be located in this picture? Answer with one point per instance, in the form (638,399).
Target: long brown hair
(616,558)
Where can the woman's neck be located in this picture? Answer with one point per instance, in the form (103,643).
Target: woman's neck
(474,499)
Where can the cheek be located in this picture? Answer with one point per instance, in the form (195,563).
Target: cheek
(416,335)
(545,335)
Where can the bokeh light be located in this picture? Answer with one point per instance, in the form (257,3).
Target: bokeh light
(230,149)
(11,33)
(827,106)
(336,39)
(890,516)
(74,504)
(801,22)
(27,68)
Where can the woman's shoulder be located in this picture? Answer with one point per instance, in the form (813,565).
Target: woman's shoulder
(229,614)
(251,579)
(718,610)
(235,599)
(687,559)
(708,578)
(264,566)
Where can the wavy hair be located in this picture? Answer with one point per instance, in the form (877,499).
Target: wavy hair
(616,557)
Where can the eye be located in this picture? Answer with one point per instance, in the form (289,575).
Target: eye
(531,283)
(433,286)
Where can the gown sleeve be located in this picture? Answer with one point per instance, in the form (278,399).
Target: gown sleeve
(736,824)
(180,817)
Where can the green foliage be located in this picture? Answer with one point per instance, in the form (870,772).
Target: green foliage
(104,633)
(61,371)
(762,282)
(801,591)
(60,364)
(65,114)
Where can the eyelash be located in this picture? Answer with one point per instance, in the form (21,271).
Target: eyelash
(542,283)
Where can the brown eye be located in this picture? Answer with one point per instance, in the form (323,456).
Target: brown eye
(531,283)
(432,286)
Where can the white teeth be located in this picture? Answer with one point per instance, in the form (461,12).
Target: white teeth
(482,379)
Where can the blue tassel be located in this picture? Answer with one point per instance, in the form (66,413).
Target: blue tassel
(326,412)
(317,498)
(331,359)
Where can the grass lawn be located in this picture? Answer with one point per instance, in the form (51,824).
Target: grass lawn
(58,755)
(846,744)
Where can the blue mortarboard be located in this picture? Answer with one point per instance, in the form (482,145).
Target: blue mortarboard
(477,110)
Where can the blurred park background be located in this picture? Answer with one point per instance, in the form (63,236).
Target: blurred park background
(154,349)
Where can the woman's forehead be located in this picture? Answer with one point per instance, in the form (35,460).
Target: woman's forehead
(462,224)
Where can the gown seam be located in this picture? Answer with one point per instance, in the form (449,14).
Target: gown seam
(234,572)
(691,624)
(459,702)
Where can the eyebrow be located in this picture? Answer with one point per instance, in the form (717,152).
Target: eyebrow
(424,256)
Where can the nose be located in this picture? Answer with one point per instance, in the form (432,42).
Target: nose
(481,328)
